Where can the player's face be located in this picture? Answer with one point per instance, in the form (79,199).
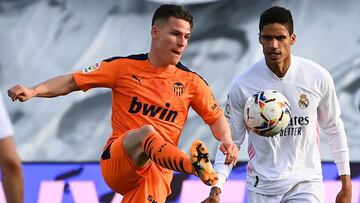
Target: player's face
(170,40)
(276,42)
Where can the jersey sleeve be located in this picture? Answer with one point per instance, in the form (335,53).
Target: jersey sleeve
(204,102)
(234,114)
(236,103)
(332,125)
(102,74)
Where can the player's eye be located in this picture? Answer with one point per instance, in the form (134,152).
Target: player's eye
(175,33)
(266,37)
(280,38)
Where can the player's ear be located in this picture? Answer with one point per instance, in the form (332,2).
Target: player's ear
(154,32)
(293,38)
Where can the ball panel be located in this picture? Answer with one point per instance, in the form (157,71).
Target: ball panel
(267,112)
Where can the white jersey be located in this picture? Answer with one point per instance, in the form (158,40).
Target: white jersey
(277,163)
(6,128)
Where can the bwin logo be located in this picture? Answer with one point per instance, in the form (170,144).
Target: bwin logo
(152,110)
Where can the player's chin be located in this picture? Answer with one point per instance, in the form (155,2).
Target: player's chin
(174,60)
(273,59)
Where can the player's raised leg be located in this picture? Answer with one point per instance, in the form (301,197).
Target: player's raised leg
(201,162)
(146,143)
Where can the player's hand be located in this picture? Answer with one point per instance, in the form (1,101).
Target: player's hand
(214,196)
(344,196)
(231,151)
(21,93)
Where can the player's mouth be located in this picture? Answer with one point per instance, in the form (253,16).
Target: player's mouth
(176,52)
(274,55)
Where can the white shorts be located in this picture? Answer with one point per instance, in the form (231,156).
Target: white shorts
(303,192)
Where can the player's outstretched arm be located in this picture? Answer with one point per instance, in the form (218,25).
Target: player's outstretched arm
(60,85)
(344,196)
(221,131)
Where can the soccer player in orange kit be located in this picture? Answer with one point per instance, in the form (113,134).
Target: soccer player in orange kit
(151,96)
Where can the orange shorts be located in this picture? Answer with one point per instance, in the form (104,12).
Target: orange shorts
(137,184)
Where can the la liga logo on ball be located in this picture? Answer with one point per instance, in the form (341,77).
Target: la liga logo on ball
(267,113)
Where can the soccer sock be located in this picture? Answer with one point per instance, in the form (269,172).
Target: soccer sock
(166,155)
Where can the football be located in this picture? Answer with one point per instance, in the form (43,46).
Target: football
(267,113)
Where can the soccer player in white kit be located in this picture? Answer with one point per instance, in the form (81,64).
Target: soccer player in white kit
(10,164)
(287,167)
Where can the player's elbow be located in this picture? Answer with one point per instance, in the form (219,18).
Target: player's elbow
(70,85)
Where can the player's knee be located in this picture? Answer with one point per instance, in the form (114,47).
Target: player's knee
(11,163)
(147,129)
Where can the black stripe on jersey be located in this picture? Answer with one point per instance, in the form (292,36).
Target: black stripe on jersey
(202,78)
(145,57)
(184,68)
(134,57)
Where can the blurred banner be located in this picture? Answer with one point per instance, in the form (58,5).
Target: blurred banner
(82,182)
(45,38)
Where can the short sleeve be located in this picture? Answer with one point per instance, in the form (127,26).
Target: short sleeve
(204,102)
(102,74)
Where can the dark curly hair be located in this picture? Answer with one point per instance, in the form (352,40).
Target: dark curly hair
(277,14)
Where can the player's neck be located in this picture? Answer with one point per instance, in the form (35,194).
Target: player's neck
(279,69)
(155,60)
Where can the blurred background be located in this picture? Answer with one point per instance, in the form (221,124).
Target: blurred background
(44,38)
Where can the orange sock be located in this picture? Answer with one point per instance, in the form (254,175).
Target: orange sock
(166,154)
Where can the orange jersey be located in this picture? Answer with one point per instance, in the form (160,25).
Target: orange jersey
(144,94)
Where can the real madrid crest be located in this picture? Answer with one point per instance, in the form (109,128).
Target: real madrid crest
(303,101)
(178,88)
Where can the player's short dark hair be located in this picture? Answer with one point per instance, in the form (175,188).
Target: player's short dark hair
(277,14)
(165,11)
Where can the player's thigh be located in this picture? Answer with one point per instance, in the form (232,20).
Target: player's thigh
(254,197)
(306,192)
(118,170)
(154,188)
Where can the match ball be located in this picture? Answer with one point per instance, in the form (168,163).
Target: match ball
(267,113)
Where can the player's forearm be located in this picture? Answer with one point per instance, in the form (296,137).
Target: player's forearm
(346,182)
(221,168)
(60,85)
(221,130)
